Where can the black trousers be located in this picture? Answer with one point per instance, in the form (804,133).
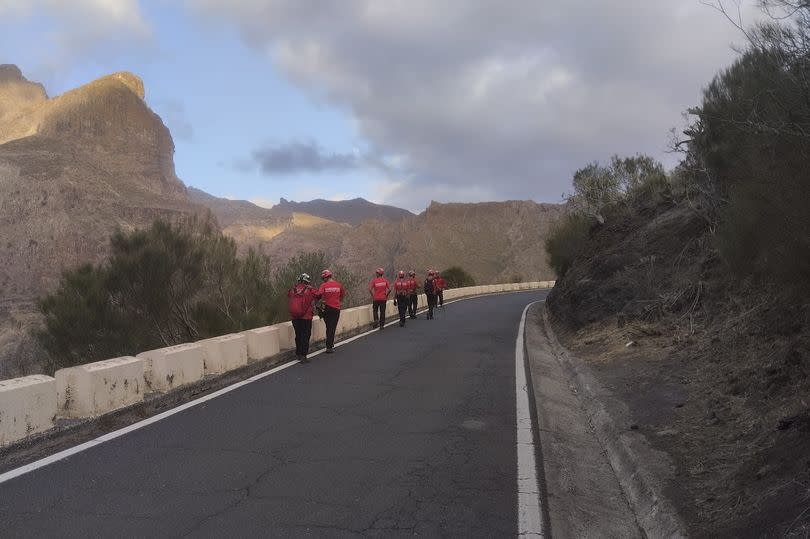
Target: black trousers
(403,304)
(414,302)
(440,295)
(431,300)
(330,318)
(303,331)
(379,312)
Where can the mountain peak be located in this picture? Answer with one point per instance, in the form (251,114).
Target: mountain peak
(130,80)
(10,72)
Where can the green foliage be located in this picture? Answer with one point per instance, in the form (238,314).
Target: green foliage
(624,180)
(81,321)
(749,147)
(456,277)
(165,285)
(566,240)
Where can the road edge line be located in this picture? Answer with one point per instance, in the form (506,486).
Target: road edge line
(530,506)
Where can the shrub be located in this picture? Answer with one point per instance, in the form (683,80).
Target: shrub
(456,277)
(566,240)
(750,135)
(598,188)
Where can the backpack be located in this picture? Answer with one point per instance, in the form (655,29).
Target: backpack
(429,288)
(299,301)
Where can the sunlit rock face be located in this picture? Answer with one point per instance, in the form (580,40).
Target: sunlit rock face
(73,169)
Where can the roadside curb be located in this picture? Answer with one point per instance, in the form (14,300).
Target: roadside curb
(655,514)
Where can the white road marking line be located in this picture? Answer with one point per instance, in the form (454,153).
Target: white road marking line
(530,520)
(61,455)
(11,474)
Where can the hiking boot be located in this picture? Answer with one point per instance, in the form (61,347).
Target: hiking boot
(330,350)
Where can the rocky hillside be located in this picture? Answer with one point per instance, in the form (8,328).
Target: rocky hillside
(710,371)
(72,170)
(352,212)
(494,241)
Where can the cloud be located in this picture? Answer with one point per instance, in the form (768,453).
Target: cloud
(75,30)
(492,99)
(296,157)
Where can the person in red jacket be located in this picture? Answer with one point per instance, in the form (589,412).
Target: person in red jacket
(301,299)
(331,292)
(379,288)
(413,294)
(402,289)
(440,286)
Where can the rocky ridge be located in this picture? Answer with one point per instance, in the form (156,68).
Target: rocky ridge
(494,241)
(73,169)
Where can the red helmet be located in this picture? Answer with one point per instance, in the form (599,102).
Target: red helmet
(401,274)
(380,271)
(325,274)
(412,273)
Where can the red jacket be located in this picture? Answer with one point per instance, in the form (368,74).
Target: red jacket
(439,282)
(331,292)
(412,285)
(308,298)
(402,287)
(380,288)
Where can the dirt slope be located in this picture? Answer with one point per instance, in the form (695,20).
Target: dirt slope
(716,375)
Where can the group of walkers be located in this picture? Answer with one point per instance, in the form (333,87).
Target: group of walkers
(304,300)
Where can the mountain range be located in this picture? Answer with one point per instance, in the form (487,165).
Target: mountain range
(76,167)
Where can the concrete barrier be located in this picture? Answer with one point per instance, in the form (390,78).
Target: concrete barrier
(286,336)
(262,342)
(27,406)
(223,354)
(348,320)
(174,366)
(95,388)
(318,330)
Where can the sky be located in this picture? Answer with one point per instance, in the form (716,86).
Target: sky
(399,102)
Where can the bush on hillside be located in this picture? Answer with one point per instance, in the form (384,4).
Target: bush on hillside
(748,149)
(598,188)
(566,240)
(456,277)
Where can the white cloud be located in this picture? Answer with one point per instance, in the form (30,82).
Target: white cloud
(490,99)
(77,30)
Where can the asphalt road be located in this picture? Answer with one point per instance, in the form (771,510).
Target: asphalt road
(405,432)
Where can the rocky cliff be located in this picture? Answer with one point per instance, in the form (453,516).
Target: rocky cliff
(72,170)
